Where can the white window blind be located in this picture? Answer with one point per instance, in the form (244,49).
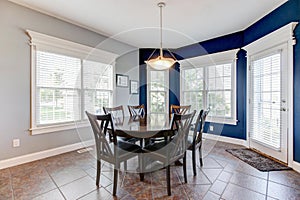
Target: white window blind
(67,79)
(57,88)
(98,85)
(265,124)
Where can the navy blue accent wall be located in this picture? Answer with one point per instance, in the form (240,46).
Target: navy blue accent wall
(297,95)
(239,130)
(286,13)
(223,43)
(174,87)
(143,55)
(281,16)
(174,77)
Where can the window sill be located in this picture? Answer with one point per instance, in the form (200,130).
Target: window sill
(222,121)
(57,128)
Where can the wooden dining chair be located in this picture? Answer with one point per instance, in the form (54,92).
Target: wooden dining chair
(179,109)
(112,152)
(174,148)
(195,141)
(116,112)
(118,118)
(138,110)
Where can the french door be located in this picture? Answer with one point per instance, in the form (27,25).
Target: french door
(267,123)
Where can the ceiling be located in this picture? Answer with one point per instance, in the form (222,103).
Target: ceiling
(136,22)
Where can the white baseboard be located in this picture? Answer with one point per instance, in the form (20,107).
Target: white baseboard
(296,166)
(225,139)
(43,154)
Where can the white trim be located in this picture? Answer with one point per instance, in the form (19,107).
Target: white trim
(39,41)
(276,38)
(222,120)
(58,127)
(225,139)
(296,166)
(50,43)
(281,35)
(44,154)
(209,59)
(290,97)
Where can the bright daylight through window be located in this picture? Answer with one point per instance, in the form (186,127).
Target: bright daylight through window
(207,85)
(158,91)
(61,93)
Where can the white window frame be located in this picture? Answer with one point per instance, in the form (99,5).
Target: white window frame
(205,62)
(43,42)
(166,74)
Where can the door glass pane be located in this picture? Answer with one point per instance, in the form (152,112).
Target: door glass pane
(265,119)
(158,102)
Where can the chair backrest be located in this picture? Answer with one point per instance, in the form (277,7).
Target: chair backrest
(117,113)
(100,124)
(199,125)
(181,124)
(138,110)
(179,109)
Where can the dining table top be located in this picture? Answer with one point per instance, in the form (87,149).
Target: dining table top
(145,126)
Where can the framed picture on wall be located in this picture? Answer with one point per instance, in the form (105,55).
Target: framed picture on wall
(122,80)
(134,86)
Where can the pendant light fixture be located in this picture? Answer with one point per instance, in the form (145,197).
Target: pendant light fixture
(161,62)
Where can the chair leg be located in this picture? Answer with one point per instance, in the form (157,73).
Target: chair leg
(194,161)
(168,180)
(184,168)
(98,173)
(115,184)
(141,142)
(141,166)
(200,156)
(125,165)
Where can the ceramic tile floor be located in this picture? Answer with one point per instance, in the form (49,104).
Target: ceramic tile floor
(72,176)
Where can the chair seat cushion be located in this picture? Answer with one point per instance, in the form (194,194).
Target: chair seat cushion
(131,140)
(155,146)
(129,147)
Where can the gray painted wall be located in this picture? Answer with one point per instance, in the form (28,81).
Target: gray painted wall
(127,64)
(15,76)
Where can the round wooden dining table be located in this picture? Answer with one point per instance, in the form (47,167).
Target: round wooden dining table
(147,126)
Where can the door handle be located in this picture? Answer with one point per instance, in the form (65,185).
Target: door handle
(282,109)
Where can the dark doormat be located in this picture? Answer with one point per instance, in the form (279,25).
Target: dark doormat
(257,160)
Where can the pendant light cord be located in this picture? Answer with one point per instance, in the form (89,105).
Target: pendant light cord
(161,5)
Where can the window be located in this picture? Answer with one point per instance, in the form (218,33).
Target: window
(210,85)
(193,88)
(158,91)
(220,90)
(98,85)
(66,82)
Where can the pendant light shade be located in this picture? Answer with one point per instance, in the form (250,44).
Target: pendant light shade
(161,62)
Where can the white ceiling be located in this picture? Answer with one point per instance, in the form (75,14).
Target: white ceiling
(136,22)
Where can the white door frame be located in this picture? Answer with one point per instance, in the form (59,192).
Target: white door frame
(275,38)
